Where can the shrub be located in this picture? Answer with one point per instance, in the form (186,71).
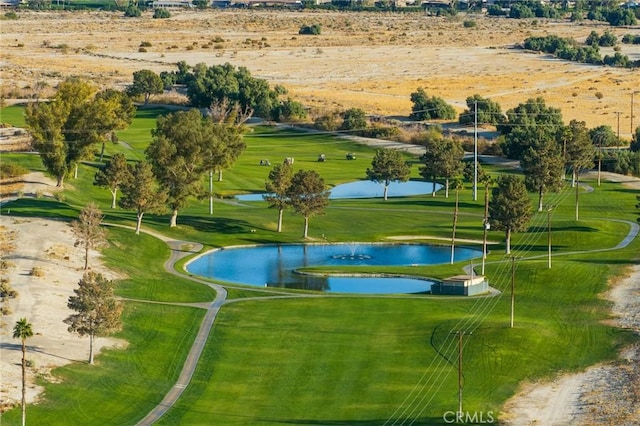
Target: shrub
(469,24)
(145,44)
(161,13)
(132,11)
(36,271)
(11,170)
(631,39)
(314,29)
(430,107)
(607,39)
(11,15)
(142,50)
(599,95)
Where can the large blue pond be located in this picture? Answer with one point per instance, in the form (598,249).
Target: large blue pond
(275,265)
(367,189)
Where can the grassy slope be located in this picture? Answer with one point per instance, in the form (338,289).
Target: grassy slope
(345,359)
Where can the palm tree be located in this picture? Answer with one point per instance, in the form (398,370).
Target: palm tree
(457,186)
(22,330)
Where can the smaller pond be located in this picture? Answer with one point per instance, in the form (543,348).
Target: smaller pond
(367,189)
(276,265)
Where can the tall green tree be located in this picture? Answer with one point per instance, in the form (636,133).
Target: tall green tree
(87,230)
(308,195)
(579,154)
(225,83)
(224,142)
(527,121)
(488,111)
(147,83)
(277,186)
(543,167)
(98,312)
(442,158)
(177,156)
(578,148)
(65,129)
(113,175)
(603,136)
(388,166)
(116,111)
(23,330)
(509,207)
(141,193)
(434,150)
(457,186)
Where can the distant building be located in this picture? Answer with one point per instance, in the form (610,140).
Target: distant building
(461,285)
(171,3)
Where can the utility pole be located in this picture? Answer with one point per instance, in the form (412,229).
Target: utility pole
(475,150)
(513,287)
(460,375)
(485,224)
(618,113)
(632,93)
(599,159)
(549,232)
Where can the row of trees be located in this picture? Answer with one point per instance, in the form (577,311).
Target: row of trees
(66,129)
(569,49)
(185,147)
(304,191)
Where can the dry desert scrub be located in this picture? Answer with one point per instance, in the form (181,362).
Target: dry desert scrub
(366,60)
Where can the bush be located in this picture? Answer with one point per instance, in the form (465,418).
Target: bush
(314,29)
(132,11)
(11,170)
(469,24)
(145,44)
(36,271)
(608,39)
(11,15)
(328,122)
(160,13)
(354,119)
(631,39)
(426,107)
(495,10)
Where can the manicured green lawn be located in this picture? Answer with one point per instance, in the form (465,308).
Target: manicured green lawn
(339,360)
(125,383)
(13,115)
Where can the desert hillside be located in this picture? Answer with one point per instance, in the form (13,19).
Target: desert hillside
(368,60)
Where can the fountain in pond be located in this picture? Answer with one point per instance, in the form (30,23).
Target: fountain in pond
(353,255)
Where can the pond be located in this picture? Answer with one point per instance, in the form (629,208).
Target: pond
(276,265)
(367,189)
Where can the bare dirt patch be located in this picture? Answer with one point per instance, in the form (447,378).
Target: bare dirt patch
(46,246)
(372,61)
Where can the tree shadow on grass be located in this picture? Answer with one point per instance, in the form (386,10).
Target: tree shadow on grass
(442,203)
(417,421)
(212,224)
(40,207)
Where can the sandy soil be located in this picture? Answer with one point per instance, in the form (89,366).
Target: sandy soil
(371,61)
(605,394)
(48,245)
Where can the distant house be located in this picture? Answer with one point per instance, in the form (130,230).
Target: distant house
(171,3)
(461,285)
